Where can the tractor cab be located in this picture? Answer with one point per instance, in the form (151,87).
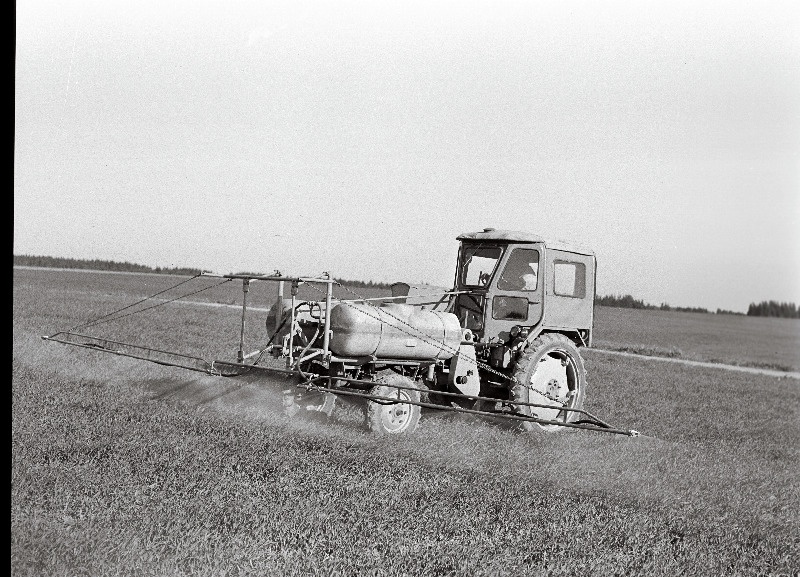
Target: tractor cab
(516,284)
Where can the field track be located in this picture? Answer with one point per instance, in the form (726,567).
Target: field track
(751,370)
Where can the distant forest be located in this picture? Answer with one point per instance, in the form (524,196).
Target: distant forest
(110,265)
(774,309)
(628,302)
(763,309)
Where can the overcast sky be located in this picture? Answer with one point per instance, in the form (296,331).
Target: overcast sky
(361,138)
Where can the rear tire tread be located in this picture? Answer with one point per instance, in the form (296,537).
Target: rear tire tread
(533,353)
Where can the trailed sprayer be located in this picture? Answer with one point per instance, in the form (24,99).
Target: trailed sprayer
(503,342)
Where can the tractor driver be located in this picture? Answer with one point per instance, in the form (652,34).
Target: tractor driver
(521,271)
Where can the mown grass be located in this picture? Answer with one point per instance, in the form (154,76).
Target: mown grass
(121,467)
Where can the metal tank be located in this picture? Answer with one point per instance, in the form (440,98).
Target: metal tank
(393,331)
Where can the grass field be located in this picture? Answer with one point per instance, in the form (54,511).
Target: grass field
(771,343)
(121,467)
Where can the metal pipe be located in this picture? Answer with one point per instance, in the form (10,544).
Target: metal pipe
(327,336)
(102,344)
(245,290)
(309,357)
(443,294)
(472,397)
(279,307)
(267,277)
(289,361)
(393,400)
(431,375)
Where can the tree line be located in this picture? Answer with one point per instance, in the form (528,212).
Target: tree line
(364,284)
(763,309)
(774,309)
(629,302)
(115,266)
(97,264)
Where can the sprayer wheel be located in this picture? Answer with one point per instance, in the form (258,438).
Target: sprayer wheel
(394,418)
(428,395)
(315,406)
(551,372)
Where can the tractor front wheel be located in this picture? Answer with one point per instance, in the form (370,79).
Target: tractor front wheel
(549,372)
(393,418)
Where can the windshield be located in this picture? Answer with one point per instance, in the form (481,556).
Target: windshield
(477,264)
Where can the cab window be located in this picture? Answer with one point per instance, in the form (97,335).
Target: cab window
(507,308)
(521,272)
(569,279)
(478,265)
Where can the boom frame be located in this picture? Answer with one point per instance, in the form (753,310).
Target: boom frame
(316,382)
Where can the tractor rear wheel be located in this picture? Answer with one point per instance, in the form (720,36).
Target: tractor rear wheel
(550,372)
(387,418)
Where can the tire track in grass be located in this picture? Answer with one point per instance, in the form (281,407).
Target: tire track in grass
(751,370)
(217,305)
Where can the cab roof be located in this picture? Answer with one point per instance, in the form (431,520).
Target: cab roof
(491,234)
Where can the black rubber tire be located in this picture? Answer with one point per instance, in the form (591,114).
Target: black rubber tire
(545,354)
(432,396)
(393,419)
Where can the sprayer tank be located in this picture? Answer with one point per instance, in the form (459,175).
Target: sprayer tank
(393,331)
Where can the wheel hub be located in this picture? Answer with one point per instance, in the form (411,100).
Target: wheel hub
(554,389)
(550,386)
(398,414)
(397,417)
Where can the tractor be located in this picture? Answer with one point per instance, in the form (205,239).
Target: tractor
(504,341)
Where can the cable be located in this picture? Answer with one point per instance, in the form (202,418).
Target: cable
(104,319)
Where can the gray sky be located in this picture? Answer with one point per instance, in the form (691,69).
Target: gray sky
(361,138)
